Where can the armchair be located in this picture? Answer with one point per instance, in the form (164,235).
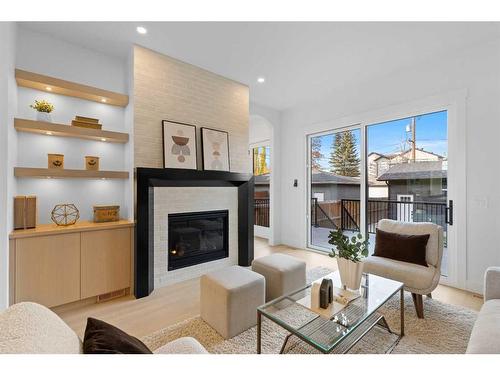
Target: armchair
(419,280)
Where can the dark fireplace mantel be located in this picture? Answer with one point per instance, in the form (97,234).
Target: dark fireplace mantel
(149,178)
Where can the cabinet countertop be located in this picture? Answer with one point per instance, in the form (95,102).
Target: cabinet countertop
(82,226)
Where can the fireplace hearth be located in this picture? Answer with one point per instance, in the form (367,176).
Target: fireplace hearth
(197,237)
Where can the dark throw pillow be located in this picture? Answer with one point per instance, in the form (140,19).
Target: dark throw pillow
(103,338)
(408,248)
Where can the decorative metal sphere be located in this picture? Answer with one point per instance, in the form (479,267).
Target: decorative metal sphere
(65,214)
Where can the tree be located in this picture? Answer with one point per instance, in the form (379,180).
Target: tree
(344,159)
(263,167)
(316,154)
(260,161)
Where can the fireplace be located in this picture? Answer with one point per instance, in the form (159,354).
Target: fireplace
(151,258)
(197,237)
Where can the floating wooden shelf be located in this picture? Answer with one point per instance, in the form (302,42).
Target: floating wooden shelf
(81,226)
(62,87)
(60,130)
(66,173)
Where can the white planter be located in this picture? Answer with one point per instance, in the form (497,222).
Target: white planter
(350,273)
(43,116)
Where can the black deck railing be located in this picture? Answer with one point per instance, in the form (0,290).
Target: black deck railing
(346,213)
(416,212)
(261,211)
(320,217)
(350,215)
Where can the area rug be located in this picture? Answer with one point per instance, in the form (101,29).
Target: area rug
(445,330)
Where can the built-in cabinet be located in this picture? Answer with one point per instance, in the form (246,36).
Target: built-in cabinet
(58,265)
(55,265)
(48,269)
(105,261)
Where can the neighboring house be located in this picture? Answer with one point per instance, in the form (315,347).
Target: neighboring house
(379,164)
(411,184)
(326,186)
(417,182)
(420,155)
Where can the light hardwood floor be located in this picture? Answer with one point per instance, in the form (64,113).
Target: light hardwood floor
(175,303)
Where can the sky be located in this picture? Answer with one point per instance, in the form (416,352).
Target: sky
(388,137)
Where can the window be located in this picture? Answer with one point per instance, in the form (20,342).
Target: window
(261,160)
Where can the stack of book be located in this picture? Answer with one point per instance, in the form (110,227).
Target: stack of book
(86,122)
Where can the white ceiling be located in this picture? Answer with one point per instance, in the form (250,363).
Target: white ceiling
(300,61)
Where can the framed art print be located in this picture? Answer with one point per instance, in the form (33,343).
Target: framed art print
(179,145)
(215,149)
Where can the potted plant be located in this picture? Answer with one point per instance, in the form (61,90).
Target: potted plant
(43,109)
(349,253)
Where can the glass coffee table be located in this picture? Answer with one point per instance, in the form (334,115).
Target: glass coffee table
(340,329)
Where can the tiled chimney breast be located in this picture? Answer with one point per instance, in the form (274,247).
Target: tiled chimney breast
(169,89)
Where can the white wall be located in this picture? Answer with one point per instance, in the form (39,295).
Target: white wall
(272,120)
(477,71)
(259,130)
(7,148)
(45,55)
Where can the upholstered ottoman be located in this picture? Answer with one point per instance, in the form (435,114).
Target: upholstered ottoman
(283,274)
(229,299)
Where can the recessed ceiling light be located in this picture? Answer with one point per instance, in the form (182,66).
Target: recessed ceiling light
(103,100)
(142,30)
(103,139)
(261,80)
(48,88)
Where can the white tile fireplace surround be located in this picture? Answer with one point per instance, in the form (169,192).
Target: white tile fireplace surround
(170,200)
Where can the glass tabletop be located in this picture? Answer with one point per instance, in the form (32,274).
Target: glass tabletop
(322,328)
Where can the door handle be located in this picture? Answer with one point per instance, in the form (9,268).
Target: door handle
(449,213)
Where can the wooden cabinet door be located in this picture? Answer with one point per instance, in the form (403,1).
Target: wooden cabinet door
(105,265)
(48,269)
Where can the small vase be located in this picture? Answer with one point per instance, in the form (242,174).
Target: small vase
(350,273)
(43,116)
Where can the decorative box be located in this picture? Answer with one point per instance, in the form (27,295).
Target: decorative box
(86,122)
(104,214)
(56,161)
(92,163)
(87,125)
(25,212)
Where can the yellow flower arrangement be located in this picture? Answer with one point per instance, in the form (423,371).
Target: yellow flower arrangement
(42,106)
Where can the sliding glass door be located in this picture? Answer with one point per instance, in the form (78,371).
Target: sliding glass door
(334,185)
(408,172)
(405,178)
